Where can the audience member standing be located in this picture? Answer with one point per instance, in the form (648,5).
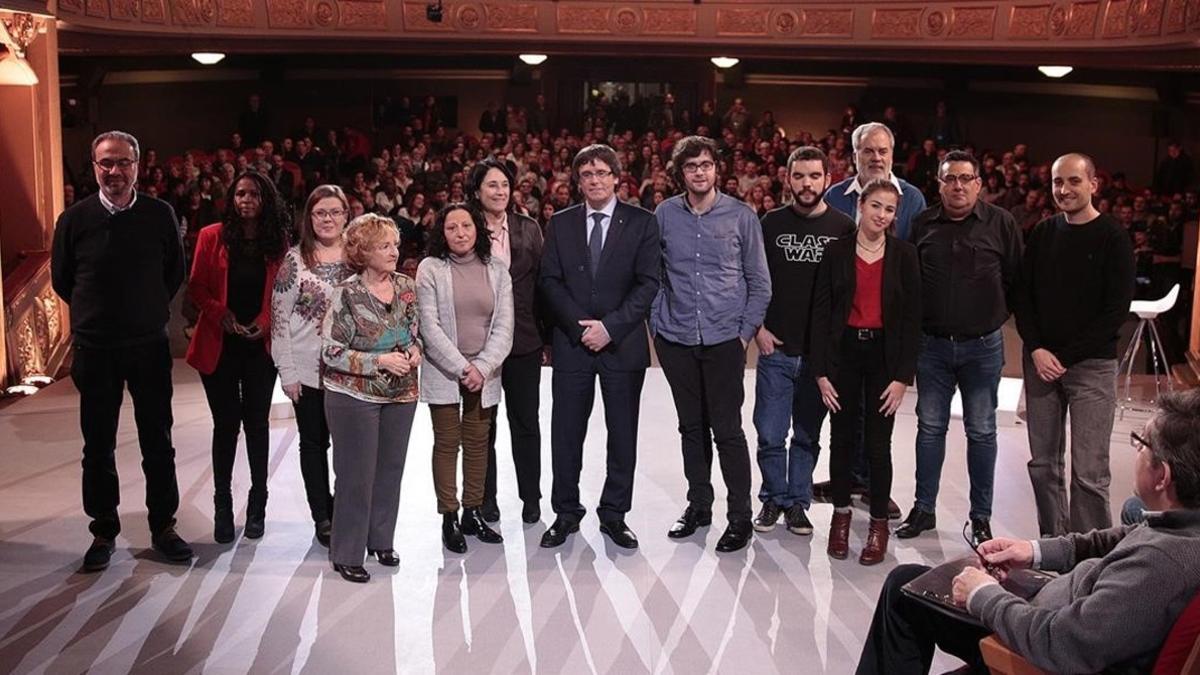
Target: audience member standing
(1077,284)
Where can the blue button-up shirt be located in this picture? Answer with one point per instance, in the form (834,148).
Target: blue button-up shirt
(715,283)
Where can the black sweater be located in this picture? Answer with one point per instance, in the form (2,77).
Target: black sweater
(118,272)
(1078,283)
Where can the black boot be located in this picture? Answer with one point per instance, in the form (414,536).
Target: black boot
(223,518)
(256,514)
(452,535)
(473,523)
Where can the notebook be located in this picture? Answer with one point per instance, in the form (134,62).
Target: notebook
(933,587)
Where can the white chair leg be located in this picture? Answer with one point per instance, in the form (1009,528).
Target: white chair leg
(1134,344)
(1157,341)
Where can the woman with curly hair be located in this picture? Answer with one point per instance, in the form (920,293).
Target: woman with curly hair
(303,289)
(232,276)
(466,300)
(370,356)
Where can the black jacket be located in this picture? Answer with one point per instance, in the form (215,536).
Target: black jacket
(525,249)
(620,296)
(901,299)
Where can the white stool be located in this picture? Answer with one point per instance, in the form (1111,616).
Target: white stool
(1147,311)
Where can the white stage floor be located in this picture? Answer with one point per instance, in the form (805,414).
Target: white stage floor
(275,605)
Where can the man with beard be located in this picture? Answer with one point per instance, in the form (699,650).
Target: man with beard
(785,393)
(1077,284)
(714,295)
(117,261)
(599,274)
(874,148)
(970,255)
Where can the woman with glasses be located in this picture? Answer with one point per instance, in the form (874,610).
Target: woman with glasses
(232,276)
(465,297)
(303,289)
(370,357)
(865,336)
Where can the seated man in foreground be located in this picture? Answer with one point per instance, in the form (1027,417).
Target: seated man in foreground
(1120,591)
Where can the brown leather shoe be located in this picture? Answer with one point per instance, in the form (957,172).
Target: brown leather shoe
(877,542)
(839,535)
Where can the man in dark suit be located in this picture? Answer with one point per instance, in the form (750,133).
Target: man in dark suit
(599,274)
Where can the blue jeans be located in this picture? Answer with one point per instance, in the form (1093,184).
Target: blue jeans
(973,366)
(786,396)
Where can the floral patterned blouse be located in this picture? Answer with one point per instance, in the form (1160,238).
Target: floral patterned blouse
(359,328)
(299,302)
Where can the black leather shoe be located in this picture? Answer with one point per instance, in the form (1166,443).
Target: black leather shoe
(797,520)
(473,523)
(735,538)
(491,512)
(223,525)
(356,573)
(620,533)
(691,519)
(981,531)
(386,557)
(452,535)
(323,530)
(98,555)
(531,513)
(171,546)
(559,530)
(767,516)
(917,522)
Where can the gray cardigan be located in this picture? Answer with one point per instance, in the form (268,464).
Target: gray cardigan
(438,333)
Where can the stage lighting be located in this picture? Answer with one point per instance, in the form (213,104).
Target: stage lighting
(1055,71)
(533,59)
(208,58)
(724,61)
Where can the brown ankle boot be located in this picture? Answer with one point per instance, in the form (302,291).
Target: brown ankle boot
(877,542)
(839,535)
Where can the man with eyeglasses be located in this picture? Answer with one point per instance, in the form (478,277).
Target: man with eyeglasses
(599,274)
(1119,592)
(714,296)
(970,255)
(117,261)
(874,151)
(1077,283)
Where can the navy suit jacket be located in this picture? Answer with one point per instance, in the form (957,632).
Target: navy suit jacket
(620,296)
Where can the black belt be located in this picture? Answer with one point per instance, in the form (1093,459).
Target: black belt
(960,337)
(865,334)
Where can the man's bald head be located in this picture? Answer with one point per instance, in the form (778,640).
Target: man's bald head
(1089,166)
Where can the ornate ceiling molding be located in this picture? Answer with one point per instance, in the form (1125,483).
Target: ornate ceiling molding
(675,26)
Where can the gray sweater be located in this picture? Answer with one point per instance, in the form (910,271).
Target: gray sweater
(1120,593)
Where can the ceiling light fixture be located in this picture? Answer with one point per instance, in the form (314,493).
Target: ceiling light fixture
(724,61)
(1055,71)
(208,58)
(15,70)
(533,59)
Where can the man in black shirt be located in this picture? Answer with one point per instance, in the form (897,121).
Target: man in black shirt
(1077,283)
(970,253)
(117,261)
(786,394)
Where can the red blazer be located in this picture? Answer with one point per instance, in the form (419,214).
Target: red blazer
(207,287)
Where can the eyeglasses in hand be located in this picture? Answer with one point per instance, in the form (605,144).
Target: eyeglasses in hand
(987,566)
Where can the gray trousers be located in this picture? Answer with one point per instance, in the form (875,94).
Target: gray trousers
(1088,393)
(370,442)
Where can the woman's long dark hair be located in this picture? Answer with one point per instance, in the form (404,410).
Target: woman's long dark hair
(440,248)
(273,222)
(475,184)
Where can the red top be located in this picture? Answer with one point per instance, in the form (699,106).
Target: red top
(867,310)
(207,288)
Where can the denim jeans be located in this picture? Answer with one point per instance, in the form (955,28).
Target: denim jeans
(973,366)
(786,396)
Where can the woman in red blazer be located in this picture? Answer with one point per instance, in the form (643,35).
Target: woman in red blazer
(232,276)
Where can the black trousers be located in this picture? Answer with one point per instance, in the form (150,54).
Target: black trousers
(860,379)
(904,632)
(574,394)
(314,452)
(520,377)
(101,376)
(707,385)
(239,397)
